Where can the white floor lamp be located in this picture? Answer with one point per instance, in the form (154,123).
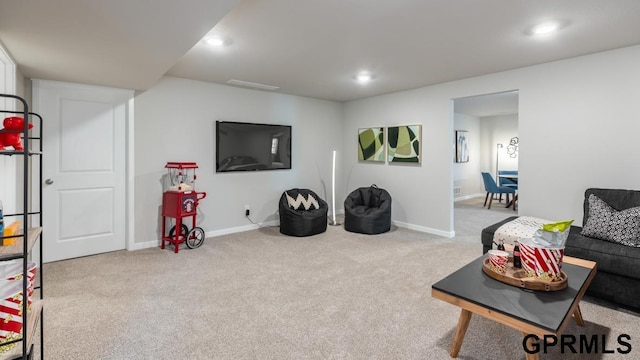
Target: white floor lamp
(334,221)
(498,147)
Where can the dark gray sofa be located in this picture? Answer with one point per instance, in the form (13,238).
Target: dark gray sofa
(487,234)
(618,266)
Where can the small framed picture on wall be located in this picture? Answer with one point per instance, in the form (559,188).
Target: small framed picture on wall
(462,146)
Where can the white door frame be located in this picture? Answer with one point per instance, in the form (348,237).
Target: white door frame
(8,169)
(130,178)
(7,74)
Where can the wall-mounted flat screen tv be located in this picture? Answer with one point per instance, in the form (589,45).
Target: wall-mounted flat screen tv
(244,146)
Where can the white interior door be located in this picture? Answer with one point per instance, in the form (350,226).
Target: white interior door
(84,167)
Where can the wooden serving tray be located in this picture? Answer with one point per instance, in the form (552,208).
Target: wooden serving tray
(517,277)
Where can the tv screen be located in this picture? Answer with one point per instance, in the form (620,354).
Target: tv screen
(252,147)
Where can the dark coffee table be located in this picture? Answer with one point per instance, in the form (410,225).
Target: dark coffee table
(530,312)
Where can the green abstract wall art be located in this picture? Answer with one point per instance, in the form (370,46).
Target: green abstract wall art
(404,144)
(371,144)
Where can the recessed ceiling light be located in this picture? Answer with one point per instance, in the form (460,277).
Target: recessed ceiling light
(364,77)
(214,41)
(545,28)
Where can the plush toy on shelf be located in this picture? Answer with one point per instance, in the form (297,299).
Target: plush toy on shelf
(10,135)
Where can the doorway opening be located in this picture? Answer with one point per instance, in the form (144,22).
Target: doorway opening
(488,124)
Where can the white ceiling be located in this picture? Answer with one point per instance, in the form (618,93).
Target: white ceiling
(306,48)
(119,43)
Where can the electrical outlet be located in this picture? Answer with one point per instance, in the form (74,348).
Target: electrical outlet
(247,210)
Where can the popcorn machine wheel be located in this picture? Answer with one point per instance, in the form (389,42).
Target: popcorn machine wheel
(180,201)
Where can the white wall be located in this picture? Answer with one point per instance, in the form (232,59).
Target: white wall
(175,121)
(574,116)
(496,130)
(467,175)
(578,120)
(421,195)
(575,120)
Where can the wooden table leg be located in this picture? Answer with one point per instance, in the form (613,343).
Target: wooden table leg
(577,315)
(529,345)
(461,330)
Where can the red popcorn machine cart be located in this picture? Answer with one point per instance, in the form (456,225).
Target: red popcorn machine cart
(179,201)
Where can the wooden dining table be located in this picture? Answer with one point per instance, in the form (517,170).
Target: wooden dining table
(514,178)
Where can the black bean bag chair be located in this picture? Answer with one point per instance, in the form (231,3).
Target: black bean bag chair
(302,213)
(367,210)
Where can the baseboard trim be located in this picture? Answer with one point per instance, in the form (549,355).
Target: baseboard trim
(467,197)
(144,245)
(238,229)
(424,229)
(207,234)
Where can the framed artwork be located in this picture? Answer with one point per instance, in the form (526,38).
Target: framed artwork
(371,144)
(462,146)
(403,144)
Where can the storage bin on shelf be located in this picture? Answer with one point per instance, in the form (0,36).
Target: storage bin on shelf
(11,317)
(11,300)
(12,270)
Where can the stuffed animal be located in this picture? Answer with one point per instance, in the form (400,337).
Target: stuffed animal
(10,135)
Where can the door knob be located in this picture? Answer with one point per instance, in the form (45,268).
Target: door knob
(48,181)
